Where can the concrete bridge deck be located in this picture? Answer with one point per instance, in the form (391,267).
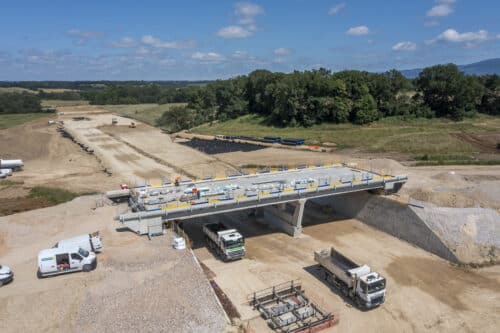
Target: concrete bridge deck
(273,189)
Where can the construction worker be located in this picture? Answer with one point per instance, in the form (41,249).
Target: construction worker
(177,180)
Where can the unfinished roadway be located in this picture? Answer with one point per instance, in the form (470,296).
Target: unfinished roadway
(138,155)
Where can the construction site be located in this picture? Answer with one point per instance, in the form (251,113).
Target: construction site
(278,239)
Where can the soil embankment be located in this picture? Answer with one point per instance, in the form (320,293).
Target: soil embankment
(460,235)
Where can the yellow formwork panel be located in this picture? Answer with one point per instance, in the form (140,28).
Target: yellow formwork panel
(288,190)
(175,206)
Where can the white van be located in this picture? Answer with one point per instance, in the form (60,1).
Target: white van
(89,242)
(57,261)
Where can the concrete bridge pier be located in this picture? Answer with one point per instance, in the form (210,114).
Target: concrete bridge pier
(286,216)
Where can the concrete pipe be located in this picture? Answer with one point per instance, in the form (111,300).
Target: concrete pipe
(11,164)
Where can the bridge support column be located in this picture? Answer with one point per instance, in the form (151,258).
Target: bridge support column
(287,217)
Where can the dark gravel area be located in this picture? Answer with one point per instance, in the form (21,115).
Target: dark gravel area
(212,147)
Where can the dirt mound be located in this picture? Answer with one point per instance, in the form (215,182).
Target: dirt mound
(26,142)
(383,166)
(451,179)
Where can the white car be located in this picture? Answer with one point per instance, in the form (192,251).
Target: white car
(6,275)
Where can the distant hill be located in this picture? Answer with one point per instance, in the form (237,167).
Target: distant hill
(489,66)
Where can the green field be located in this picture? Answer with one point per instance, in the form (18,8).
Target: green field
(427,139)
(147,113)
(15,119)
(16,90)
(47,103)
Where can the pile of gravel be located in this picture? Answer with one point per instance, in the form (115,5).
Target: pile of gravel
(169,293)
(472,233)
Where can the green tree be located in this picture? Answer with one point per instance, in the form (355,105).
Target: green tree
(448,92)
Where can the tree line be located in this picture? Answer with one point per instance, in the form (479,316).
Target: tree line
(313,97)
(19,103)
(137,94)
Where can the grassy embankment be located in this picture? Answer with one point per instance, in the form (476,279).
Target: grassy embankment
(54,103)
(37,197)
(15,119)
(147,113)
(429,141)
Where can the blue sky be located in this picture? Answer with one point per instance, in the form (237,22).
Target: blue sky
(191,40)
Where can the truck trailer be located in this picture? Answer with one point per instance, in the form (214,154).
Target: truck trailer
(357,282)
(89,242)
(227,243)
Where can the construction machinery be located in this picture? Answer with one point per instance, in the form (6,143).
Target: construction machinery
(357,282)
(227,243)
(114,121)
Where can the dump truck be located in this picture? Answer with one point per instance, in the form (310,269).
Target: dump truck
(357,282)
(90,242)
(57,261)
(227,243)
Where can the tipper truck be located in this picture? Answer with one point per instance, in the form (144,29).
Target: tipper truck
(357,282)
(227,243)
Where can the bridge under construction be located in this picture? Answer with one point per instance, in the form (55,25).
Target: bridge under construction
(280,194)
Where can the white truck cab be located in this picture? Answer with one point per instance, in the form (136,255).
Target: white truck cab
(57,261)
(89,242)
(371,289)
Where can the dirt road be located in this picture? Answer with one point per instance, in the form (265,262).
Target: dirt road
(139,285)
(425,293)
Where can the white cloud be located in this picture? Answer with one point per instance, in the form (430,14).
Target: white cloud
(451,35)
(158,43)
(440,10)
(234,31)
(282,51)
(124,42)
(405,46)
(361,30)
(82,37)
(208,57)
(247,11)
(336,9)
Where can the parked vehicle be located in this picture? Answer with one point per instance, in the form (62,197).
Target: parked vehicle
(57,261)
(365,287)
(6,275)
(227,243)
(89,242)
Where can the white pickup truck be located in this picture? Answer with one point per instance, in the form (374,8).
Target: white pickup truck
(90,242)
(365,287)
(57,261)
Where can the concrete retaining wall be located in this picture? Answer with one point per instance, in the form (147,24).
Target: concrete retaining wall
(394,218)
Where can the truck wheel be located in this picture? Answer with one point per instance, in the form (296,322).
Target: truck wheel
(39,274)
(358,303)
(87,268)
(1,283)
